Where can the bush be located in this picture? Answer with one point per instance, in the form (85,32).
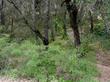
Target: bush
(3,62)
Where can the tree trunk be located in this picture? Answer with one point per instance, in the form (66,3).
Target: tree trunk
(55,15)
(2,13)
(64,26)
(52,33)
(73,12)
(34,5)
(91,22)
(47,22)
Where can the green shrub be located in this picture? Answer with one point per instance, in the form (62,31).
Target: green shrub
(3,62)
(3,42)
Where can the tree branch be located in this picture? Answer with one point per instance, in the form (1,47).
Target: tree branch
(36,31)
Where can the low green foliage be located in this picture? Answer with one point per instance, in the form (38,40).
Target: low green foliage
(102,36)
(32,61)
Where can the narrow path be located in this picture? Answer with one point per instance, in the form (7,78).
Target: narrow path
(7,79)
(103,65)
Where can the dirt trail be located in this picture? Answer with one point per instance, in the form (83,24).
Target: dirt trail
(7,79)
(103,64)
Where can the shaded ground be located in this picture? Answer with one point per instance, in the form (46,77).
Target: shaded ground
(103,64)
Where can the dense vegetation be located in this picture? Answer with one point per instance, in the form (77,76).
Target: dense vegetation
(36,41)
(61,61)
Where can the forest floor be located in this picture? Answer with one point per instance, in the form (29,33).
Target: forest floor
(103,64)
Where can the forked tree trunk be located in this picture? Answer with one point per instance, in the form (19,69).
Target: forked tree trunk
(73,12)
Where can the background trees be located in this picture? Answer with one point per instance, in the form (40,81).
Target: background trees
(71,30)
(40,18)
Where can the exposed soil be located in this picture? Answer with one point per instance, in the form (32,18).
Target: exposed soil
(103,64)
(7,79)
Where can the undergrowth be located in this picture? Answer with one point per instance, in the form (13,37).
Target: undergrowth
(60,63)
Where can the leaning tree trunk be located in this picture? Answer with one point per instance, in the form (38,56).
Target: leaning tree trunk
(33,29)
(73,12)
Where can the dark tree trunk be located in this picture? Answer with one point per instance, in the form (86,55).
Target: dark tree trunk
(12,29)
(52,34)
(46,35)
(64,26)
(47,23)
(91,22)
(2,13)
(2,18)
(73,12)
(44,39)
(55,16)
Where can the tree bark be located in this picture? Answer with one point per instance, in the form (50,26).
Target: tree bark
(91,22)
(52,33)
(47,22)
(2,13)
(55,15)
(73,12)
(64,25)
